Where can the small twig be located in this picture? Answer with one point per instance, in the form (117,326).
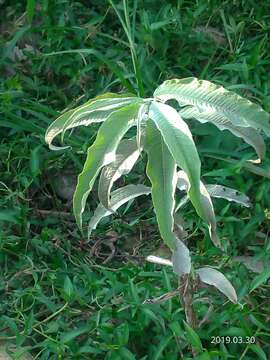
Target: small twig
(162,298)
(53,213)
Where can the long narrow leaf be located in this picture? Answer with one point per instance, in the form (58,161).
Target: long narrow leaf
(208,209)
(248,134)
(208,97)
(161,170)
(214,277)
(216,191)
(179,141)
(102,153)
(94,111)
(126,156)
(224,192)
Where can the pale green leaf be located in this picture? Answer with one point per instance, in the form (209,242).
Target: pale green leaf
(126,155)
(208,209)
(161,170)
(179,141)
(216,191)
(208,97)
(248,134)
(94,111)
(118,198)
(224,192)
(102,153)
(215,278)
(181,259)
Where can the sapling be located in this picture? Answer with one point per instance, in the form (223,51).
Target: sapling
(173,161)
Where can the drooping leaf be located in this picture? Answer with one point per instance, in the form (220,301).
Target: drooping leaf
(161,170)
(179,141)
(94,111)
(208,209)
(248,134)
(126,155)
(118,198)
(102,104)
(217,191)
(102,153)
(208,97)
(181,259)
(224,192)
(216,278)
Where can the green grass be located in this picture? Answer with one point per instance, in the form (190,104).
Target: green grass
(57,301)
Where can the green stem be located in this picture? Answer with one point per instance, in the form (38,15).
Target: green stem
(130,36)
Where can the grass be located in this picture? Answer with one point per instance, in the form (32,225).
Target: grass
(58,299)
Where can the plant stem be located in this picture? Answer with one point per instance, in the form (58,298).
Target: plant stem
(186,289)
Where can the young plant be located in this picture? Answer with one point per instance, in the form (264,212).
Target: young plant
(173,160)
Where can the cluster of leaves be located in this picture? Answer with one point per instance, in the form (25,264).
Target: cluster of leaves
(40,256)
(169,144)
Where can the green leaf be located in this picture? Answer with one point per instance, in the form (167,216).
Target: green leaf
(118,198)
(102,153)
(179,141)
(69,336)
(181,259)
(126,156)
(216,278)
(260,279)
(193,338)
(208,209)
(248,134)
(208,97)
(161,170)
(35,161)
(121,334)
(245,165)
(30,9)
(94,111)
(258,351)
(68,287)
(10,216)
(162,346)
